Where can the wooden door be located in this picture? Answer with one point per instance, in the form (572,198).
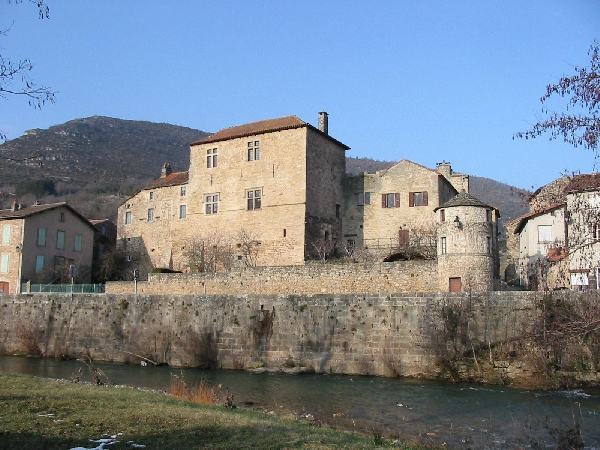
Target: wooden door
(4,287)
(455,284)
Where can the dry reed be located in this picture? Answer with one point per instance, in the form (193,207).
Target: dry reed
(201,393)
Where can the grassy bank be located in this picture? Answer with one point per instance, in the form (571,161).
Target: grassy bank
(53,414)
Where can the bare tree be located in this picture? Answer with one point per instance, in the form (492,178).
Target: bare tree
(210,254)
(248,244)
(580,125)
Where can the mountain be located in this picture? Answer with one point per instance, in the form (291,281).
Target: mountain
(97,162)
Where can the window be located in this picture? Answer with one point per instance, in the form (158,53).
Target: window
(595,230)
(39,264)
(182,211)
(363,198)
(442,215)
(544,233)
(211,204)
(489,215)
(254,199)
(77,242)
(211,158)
(390,200)
(417,198)
(151,215)
(62,217)
(444,248)
(182,191)
(253,150)
(337,211)
(151,196)
(128,217)
(4,265)
(60,240)
(6,234)
(103,230)
(41,241)
(489,245)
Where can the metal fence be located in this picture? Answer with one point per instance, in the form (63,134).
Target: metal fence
(63,288)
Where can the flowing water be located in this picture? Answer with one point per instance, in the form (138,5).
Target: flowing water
(461,415)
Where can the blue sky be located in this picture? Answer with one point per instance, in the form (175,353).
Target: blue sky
(426,81)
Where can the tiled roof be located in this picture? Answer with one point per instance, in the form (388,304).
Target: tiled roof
(173,179)
(584,182)
(8,214)
(523,219)
(261,127)
(464,199)
(249,129)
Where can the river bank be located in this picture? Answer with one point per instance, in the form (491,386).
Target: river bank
(42,413)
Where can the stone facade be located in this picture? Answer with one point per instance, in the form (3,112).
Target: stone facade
(376,334)
(385,208)
(467,245)
(278,181)
(405,276)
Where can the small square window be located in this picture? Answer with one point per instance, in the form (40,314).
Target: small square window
(61,217)
(182,191)
(151,196)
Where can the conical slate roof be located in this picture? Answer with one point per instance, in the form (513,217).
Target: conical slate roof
(463,199)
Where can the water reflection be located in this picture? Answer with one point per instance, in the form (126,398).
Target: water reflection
(480,416)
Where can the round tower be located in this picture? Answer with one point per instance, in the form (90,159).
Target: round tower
(467,245)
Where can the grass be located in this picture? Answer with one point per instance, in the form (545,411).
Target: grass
(40,413)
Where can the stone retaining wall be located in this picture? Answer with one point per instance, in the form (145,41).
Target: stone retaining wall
(404,276)
(367,334)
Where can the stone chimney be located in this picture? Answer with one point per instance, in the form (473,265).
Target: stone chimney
(15,206)
(445,169)
(166,170)
(323,122)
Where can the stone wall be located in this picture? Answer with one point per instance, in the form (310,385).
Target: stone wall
(404,276)
(368,334)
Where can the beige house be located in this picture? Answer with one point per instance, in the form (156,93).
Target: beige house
(390,210)
(265,193)
(542,262)
(41,243)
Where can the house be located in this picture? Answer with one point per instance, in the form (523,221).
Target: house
(391,212)
(542,261)
(583,230)
(44,244)
(263,193)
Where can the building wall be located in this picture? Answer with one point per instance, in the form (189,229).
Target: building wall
(375,226)
(9,250)
(377,334)
(314,278)
(151,244)
(584,238)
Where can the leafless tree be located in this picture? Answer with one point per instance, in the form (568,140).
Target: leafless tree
(580,125)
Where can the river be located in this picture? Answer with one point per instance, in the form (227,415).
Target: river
(460,415)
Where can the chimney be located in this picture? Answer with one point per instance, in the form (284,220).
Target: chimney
(166,170)
(323,122)
(445,169)
(15,206)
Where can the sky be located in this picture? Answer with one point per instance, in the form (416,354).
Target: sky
(428,81)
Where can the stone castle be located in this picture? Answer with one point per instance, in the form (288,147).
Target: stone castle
(277,193)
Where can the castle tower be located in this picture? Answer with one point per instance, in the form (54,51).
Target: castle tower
(467,245)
